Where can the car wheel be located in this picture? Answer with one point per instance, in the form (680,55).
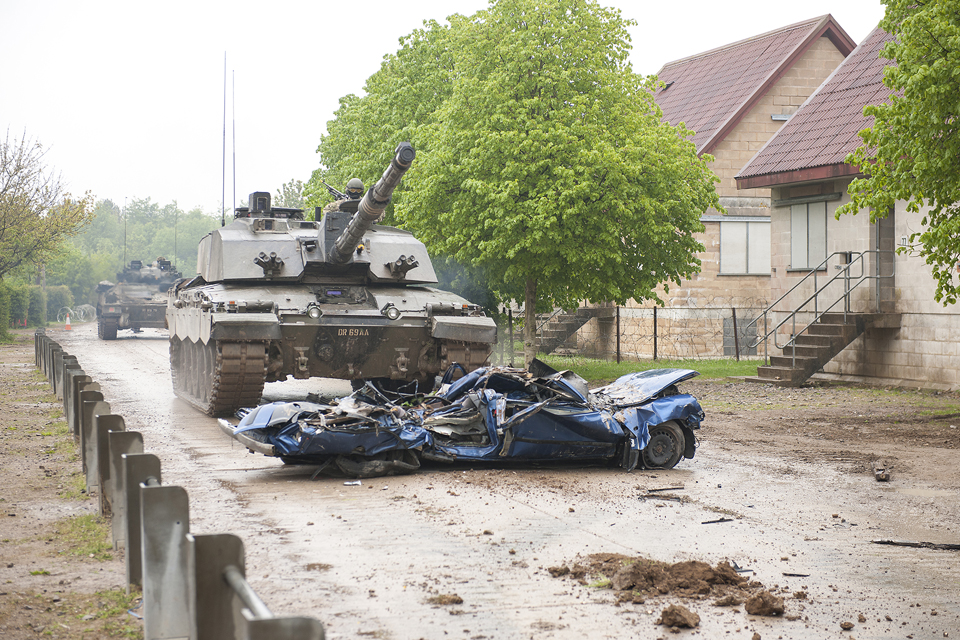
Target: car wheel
(665,447)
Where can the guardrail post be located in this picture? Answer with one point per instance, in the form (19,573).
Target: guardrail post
(91,409)
(38,337)
(67,363)
(56,364)
(137,467)
(285,628)
(120,443)
(70,391)
(102,426)
(216,608)
(165,518)
(85,385)
(52,348)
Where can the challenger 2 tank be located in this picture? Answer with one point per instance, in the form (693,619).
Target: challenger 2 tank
(277,296)
(138,300)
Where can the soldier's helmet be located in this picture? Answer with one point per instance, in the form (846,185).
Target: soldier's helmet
(355,188)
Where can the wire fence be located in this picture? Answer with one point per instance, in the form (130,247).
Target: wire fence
(716,328)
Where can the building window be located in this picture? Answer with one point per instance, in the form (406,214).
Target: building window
(745,247)
(808,235)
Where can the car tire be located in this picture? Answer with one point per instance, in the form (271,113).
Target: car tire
(665,447)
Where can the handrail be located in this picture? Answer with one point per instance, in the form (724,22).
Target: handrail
(553,315)
(850,259)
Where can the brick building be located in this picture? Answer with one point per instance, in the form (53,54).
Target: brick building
(895,331)
(734,98)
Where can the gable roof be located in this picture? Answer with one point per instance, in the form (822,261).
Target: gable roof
(712,91)
(816,139)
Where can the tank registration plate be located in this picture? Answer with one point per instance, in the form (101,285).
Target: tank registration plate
(353,332)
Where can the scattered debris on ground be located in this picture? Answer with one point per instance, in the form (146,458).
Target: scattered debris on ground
(637,580)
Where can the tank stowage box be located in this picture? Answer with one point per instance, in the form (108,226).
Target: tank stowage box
(137,301)
(279,296)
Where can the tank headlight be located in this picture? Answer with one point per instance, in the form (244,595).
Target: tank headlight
(390,311)
(314,311)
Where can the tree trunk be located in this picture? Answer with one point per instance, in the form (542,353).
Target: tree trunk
(530,322)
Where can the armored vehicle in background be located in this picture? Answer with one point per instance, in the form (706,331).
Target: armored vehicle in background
(137,301)
(279,296)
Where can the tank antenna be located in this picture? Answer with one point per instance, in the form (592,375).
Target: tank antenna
(223,173)
(233,109)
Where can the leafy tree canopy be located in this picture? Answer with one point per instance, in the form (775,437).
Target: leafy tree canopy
(542,158)
(912,151)
(36,212)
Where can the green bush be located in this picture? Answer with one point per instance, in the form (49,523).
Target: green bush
(19,304)
(57,298)
(36,312)
(4,312)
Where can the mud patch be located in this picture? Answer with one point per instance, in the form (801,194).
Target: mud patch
(637,579)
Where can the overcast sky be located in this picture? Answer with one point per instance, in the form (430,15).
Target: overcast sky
(128,96)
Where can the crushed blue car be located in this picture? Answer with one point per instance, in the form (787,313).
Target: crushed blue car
(493,415)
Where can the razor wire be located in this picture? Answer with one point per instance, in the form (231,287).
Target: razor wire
(719,327)
(82,313)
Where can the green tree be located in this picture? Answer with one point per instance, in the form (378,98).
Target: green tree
(290,195)
(400,100)
(36,212)
(549,166)
(912,151)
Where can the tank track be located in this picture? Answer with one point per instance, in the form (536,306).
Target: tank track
(107,329)
(218,377)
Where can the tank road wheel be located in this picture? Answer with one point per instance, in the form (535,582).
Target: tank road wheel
(665,447)
(107,329)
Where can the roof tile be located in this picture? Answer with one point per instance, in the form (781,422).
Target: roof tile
(711,88)
(825,128)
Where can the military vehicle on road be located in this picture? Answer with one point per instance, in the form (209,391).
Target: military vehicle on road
(279,296)
(137,301)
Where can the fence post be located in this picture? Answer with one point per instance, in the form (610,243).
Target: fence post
(165,518)
(736,335)
(120,443)
(618,334)
(510,323)
(654,332)
(137,467)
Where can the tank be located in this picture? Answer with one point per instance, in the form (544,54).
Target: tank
(138,300)
(277,296)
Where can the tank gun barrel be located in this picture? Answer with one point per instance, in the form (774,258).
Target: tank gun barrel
(374,202)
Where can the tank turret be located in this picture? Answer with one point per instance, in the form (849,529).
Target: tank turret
(278,296)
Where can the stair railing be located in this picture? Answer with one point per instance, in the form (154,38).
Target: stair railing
(850,284)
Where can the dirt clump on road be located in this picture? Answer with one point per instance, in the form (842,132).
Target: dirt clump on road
(638,579)
(59,575)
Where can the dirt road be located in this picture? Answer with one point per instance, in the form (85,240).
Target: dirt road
(788,469)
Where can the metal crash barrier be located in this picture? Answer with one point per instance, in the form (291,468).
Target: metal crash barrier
(194,586)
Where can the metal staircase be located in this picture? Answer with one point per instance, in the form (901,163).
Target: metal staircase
(558,327)
(828,329)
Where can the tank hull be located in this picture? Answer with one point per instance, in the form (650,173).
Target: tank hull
(350,338)
(132,307)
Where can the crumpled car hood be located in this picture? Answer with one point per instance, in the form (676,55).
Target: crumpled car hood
(636,388)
